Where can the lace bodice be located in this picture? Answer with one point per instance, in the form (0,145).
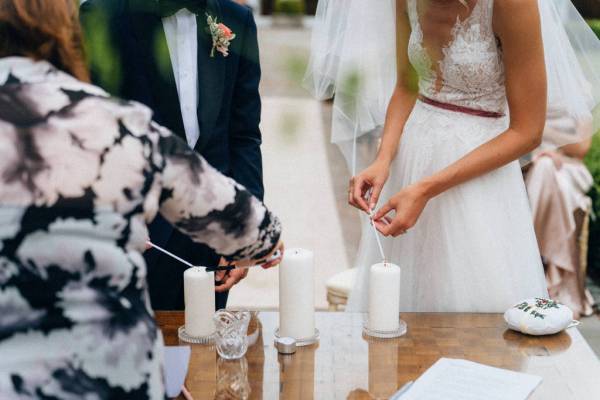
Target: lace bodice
(470,72)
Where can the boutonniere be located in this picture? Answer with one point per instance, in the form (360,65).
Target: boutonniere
(221,36)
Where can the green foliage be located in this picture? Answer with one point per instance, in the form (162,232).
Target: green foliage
(593,163)
(352,84)
(289,7)
(103,58)
(289,125)
(595,24)
(295,66)
(161,52)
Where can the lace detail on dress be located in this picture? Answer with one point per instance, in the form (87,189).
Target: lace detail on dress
(470,72)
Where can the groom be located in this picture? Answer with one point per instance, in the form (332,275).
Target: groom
(208,95)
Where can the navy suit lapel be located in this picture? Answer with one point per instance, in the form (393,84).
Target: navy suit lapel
(211,77)
(148,28)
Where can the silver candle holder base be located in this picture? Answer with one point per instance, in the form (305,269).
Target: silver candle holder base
(184,336)
(304,341)
(401,331)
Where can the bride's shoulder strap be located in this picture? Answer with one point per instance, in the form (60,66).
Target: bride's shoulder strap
(411,9)
(489,7)
(485,8)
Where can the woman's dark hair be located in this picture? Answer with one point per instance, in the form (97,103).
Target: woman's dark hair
(44,30)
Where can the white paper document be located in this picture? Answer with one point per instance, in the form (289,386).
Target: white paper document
(450,379)
(176,360)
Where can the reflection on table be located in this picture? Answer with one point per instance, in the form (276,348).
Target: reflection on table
(347,365)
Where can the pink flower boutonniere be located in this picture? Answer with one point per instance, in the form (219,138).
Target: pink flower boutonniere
(221,36)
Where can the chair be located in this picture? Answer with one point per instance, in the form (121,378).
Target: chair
(339,287)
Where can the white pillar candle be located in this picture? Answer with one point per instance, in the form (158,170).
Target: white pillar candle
(199,293)
(297,294)
(384,297)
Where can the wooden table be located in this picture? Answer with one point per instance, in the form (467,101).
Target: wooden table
(346,365)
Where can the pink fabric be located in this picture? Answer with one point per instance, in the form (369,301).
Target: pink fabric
(558,201)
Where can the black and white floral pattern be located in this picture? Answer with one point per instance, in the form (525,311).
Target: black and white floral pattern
(80,176)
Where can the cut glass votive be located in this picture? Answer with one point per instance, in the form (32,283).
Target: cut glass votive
(231,337)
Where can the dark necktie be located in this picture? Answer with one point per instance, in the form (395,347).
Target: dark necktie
(166,8)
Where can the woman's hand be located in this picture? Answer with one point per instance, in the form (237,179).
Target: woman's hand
(267,262)
(227,279)
(408,205)
(553,155)
(273,262)
(371,180)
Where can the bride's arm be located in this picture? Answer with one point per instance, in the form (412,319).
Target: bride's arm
(400,106)
(517,24)
(405,93)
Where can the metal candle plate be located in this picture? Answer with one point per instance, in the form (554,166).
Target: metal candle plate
(304,341)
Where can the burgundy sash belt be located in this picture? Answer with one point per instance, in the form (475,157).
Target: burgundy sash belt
(461,109)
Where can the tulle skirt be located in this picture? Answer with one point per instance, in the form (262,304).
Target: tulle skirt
(474,247)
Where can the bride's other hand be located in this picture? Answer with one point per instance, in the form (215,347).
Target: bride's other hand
(408,205)
(371,180)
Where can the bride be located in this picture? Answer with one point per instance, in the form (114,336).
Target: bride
(454,206)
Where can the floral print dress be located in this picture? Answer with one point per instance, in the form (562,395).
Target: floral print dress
(81,174)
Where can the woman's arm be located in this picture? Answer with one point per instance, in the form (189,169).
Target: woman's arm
(401,104)
(207,206)
(517,24)
(405,93)
(577,150)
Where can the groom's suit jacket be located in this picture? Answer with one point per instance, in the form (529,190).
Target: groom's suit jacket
(136,65)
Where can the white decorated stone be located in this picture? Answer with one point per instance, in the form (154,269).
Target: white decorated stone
(538,316)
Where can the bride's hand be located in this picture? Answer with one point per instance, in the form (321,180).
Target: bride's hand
(371,180)
(408,205)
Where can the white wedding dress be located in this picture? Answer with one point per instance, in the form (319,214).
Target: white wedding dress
(474,247)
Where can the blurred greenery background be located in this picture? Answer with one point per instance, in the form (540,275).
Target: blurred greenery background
(593,163)
(290,7)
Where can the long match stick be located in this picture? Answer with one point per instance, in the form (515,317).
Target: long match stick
(181,260)
(376,235)
(210,269)
(368,198)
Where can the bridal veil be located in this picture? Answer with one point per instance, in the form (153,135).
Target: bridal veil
(353,59)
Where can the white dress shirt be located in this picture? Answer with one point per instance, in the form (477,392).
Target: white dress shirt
(181,31)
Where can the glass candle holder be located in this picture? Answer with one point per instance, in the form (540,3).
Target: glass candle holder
(231,337)
(232,380)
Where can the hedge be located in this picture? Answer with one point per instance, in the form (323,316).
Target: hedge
(593,163)
(289,7)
